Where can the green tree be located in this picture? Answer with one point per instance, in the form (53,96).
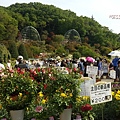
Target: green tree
(22,51)
(76,55)
(58,38)
(13,49)
(8,25)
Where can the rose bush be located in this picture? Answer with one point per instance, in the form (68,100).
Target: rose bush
(57,90)
(17,89)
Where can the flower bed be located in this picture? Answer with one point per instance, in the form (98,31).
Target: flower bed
(51,90)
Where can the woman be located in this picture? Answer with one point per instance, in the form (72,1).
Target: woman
(117,69)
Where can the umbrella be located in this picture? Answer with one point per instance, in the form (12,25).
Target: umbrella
(114,53)
(90,59)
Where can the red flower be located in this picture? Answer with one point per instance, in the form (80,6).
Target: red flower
(45,86)
(52,78)
(86,107)
(70,106)
(18,69)
(49,69)
(75,70)
(26,92)
(32,78)
(14,97)
(31,71)
(34,73)
(22,72)
(43,71)
(38,69)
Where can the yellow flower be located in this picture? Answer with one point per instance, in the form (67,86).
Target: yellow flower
(57,90)
(117,96)
(85,97)
(67,89)
(43,101)
(71,94)
(20,94)
(78,99)
(0,106)
(63,95)
(118,92)
(27,108)
(7,98)
(24,97)
(113,93)
(40,94)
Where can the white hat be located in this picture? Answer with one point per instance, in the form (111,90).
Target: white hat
(20,57)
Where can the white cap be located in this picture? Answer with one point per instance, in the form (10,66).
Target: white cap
(20,57)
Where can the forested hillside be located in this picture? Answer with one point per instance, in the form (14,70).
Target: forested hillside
(52,23)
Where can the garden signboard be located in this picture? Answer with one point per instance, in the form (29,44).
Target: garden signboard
(92,71)
(100,93)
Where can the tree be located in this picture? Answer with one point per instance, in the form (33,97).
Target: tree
(76,55)
(13,49)
(22,51)
(8,25)
(58,38)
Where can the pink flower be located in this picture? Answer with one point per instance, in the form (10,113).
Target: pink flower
(3,119)
(43,71)
(51,118)
(75,70)
(11,71)
(33,119)
(39,109)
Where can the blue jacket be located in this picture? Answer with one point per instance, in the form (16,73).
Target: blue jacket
(115,61)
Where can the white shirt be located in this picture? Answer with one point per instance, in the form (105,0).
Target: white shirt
(2,67)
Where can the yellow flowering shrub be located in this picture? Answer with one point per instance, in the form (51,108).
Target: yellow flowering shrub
(116,94)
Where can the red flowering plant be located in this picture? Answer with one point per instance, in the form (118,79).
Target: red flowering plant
(84,108)
(86,112)
(57,87)
(17,89)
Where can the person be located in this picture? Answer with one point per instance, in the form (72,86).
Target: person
(74,63)
(117,69)
(81,66)
(63,63)
(9,67)
(105,67)
(115,62)
(85,64)
(99,65)
(2,67)
(21,63)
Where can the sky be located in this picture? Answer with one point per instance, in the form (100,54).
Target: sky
(106,12)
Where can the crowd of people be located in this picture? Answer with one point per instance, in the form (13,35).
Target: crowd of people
(103,65)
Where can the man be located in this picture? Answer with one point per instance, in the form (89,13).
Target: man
(20,63)
(115,62)
(2,67)
(117,69)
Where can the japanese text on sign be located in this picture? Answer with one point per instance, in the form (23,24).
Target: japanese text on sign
(100,93)
(92,70)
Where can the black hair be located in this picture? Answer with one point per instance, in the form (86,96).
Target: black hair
(118,62)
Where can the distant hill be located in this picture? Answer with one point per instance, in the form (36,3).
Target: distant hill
(48,19)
